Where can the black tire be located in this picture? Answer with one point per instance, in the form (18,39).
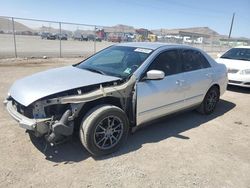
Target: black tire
(104,129)
(210,101)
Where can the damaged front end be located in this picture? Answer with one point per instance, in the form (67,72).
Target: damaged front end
(54,116)
(54,121)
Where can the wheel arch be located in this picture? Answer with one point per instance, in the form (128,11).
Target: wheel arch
(217,86)
(93,119)
(211,86)
(202,107)
(92,104)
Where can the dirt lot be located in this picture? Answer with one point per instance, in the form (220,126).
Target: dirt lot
(186,150)
(34,46)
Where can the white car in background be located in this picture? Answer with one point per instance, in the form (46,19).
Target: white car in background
(237,61)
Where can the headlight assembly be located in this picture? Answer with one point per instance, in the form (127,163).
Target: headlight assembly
(244,72)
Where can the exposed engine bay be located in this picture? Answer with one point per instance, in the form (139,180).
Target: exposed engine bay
(55,115)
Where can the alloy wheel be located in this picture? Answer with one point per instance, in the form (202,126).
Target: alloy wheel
(108,132)
(211,101)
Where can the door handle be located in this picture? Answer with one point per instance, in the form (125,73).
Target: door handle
(179,82)
(209,75)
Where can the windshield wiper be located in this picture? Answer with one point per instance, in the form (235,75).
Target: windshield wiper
(101,72)
(244,59)
(94,70)
(226,57)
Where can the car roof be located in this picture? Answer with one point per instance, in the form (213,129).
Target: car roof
(150,45)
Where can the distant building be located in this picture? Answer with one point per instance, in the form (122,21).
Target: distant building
(195,35)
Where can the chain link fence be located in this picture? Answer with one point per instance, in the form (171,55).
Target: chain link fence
(21,37)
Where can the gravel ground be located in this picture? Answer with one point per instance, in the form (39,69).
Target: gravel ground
(185,150)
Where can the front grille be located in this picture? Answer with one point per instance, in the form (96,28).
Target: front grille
(234,82)
(232,71)
(26,111)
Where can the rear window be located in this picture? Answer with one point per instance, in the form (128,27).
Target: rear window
(193,60)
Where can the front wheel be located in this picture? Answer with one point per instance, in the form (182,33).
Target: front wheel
(210,101)
(104,129)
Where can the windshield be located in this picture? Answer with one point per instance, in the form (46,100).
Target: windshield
(120,61)
(238,54)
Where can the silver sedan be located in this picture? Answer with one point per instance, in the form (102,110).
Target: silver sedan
(114,91)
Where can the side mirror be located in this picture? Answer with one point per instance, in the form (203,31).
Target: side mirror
(218,55)
(155,75)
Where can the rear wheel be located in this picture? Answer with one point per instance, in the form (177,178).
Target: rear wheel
(210,101)
(104,129)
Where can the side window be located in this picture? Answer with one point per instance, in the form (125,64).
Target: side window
(193,60)
(168,62)
(204,62)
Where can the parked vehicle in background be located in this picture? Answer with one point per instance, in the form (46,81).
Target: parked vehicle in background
(44,35)
(187,40)
(114,38)
(152,37)
(237,61)
(98,39)
(61,36)
(101,34)
(139,38)
(92,37)
(48,36)
(115,90)
(78,36)
(127,37)
(84,37)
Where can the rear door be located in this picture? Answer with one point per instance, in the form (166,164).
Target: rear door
(156,98)
(197,76)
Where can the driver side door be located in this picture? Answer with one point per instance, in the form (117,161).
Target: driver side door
(156,98)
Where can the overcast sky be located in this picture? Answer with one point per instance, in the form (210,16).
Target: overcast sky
(150,14)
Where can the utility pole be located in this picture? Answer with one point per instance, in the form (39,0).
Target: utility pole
(231,27)
(14,35)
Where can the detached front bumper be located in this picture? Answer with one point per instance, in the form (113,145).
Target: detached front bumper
(24,122)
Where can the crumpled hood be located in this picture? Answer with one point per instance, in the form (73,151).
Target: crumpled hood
(31,88)
(234,64)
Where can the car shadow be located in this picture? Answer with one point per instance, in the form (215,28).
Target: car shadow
(171,126)
(68,152)
(238,89)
